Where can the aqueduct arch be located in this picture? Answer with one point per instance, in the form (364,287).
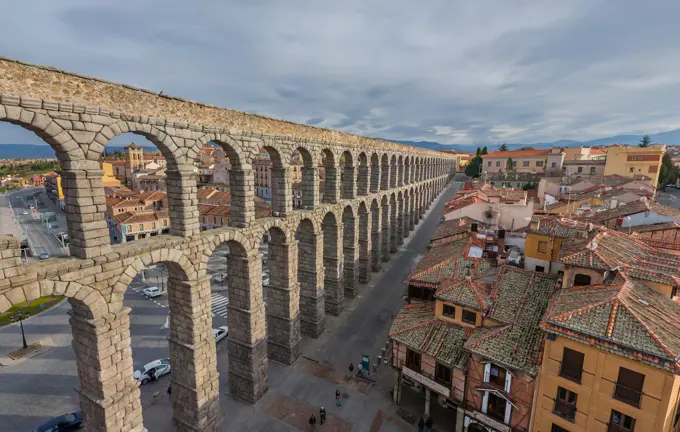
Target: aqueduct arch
(358,224)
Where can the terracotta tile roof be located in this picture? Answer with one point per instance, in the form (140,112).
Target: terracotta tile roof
(416,327)
(465,292)
(624,210)
(205,193)
(629,319)
(140,217)
(607,249)
(558,227)
(656,227)
(519,300)
(214,210)
(452,227)
(454,205)
(517,153)
(447,261)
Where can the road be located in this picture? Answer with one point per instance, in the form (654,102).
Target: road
(43,387)
(670,197)
(40,237)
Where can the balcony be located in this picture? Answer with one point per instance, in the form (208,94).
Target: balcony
(571,374)
(565,410)
(627,395)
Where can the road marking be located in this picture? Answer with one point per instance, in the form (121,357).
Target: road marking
(219,305)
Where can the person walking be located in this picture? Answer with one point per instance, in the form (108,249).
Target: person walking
(337,397)
(351,368)
(322,415)
(312,420)
(169,391)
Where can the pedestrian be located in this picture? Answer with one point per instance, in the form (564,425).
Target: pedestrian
(337,397)
(360,370)
(428,423)
(421,425)
(322,415)
(169,392)
(351,368)
(312,420)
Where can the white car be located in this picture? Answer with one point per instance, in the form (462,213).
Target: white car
(25,213)
(158,367)
(265,279)
(152,292)
(220,333)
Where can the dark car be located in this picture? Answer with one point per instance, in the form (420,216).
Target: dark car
(66,422)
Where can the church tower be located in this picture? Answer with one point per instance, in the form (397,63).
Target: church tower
(134,161)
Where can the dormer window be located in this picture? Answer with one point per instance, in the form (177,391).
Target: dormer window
(449,311)
(469,317)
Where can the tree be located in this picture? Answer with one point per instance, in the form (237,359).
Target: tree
(472,168)
(668,173)
(479,151)
(645,141)
(485,151)
(504,147)
(119,154)
(509,165)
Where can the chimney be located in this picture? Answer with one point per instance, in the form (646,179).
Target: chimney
(501,241)
(619,222)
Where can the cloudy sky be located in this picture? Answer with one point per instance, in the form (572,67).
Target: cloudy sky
(441,70)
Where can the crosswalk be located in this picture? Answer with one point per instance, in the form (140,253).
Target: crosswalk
(219,305)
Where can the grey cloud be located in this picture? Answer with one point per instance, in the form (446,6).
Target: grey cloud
(483,71)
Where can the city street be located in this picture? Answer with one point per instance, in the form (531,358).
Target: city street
(42,387)
(670,197)
(40,237)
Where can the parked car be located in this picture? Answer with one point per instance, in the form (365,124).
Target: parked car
(220,333)
(158,367)
(44,256)
(25,213)
(219,277)
(265,279)
(152,292)
(63,423)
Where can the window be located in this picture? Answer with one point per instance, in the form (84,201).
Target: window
(449,311)
(629,387)
(539,164)
(514,164)
(416,292)
(554,165)
(526,163)
(620,422)
(572,365)
(542,246)
(129,228)
(141,227)
(412,360)
(488,163)
(565,404)
(556,428)
(221,221)
(496,407)
(214,220)
(442,374)
(540,269)
(498,163)
(497,376)
(165,222)
(581,279)
(153,225)
(580,169)
(469,317)
(630,169)
(592,170)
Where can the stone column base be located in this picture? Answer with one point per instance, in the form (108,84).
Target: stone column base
(283,342)
(334,307)
(312,315)
(312,329)
(248,387)
(120,413)
(364,271)
(376,267)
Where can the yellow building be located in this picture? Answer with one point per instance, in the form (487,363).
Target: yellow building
(544,243)
(610,361)
(109,179)
(54,189)
(635,161)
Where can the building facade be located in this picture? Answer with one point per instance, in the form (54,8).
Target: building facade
(632,161)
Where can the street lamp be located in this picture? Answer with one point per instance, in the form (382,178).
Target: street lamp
(21,316)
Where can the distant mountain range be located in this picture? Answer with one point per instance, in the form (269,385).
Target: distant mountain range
(670,138)
(10,151)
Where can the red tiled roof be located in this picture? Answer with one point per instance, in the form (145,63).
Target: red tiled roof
(140,217)
(517,153)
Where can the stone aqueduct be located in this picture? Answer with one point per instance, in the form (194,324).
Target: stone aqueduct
(317,256)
